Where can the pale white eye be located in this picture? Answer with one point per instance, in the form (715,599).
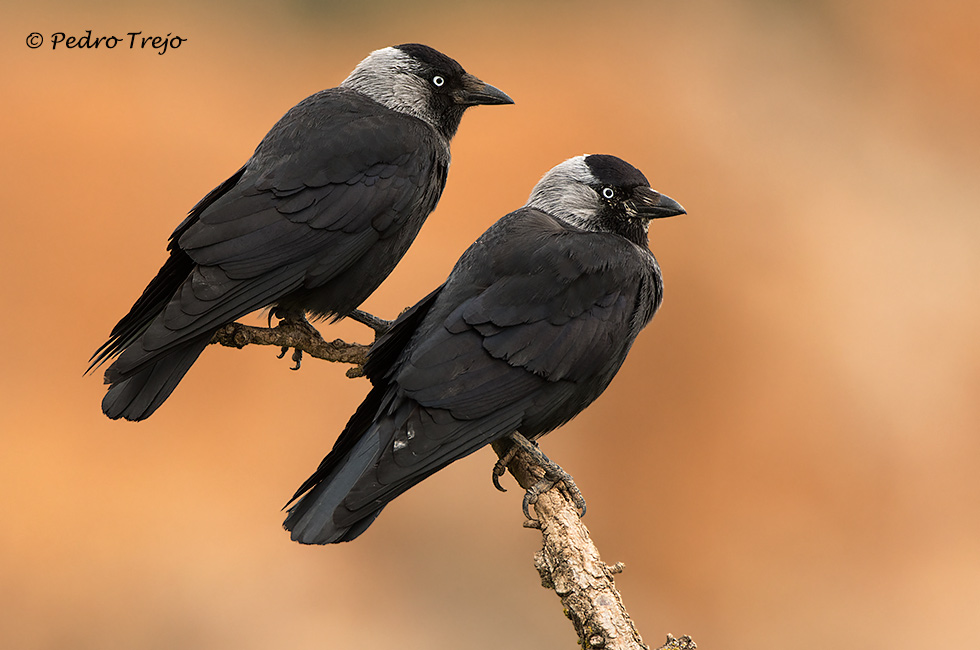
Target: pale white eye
(608,193)
(438,81)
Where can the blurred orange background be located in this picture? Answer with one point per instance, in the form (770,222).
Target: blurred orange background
(789,459)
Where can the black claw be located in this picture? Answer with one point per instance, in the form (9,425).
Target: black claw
(282,353)
(498,471)
(501,466)
(529,499)
(298,358)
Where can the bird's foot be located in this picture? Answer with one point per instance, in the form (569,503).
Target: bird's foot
(297,356)
(300,327)
(553,475)
(379,325)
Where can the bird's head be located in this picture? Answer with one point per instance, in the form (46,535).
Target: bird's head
(420,81)
(602,193)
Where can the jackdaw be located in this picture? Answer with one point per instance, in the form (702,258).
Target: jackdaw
(530,327)
(315,220)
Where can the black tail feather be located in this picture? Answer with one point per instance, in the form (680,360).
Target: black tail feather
(136,397)
(319,516)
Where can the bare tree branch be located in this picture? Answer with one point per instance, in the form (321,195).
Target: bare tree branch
(569,564)
(301,337)
(568,561)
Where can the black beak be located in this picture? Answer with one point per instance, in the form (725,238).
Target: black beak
(649,204)
(475,92)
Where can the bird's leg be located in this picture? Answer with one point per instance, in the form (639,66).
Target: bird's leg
(296,321)
(553,475)
(379,325)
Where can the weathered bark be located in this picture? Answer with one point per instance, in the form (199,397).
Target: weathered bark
(683,643)
(569,564)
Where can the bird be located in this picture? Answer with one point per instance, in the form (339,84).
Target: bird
(531,325)
(311,224)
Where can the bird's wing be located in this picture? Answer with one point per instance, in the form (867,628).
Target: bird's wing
(321,189)
(547,304)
